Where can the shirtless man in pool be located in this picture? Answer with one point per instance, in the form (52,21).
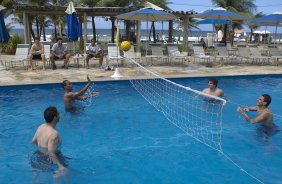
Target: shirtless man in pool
(264,115)
(47,137)
(70,96)
(213,89)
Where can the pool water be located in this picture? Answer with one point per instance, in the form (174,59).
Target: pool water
(121,138)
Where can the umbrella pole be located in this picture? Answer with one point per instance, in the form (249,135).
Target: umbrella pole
(117,56)
(275,33)
(265,34)
(162,30)
(147,36)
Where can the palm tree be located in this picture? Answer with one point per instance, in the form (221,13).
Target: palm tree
(244,7)
(58,20)
(118,3)
(37,3)
(254,27)
(162,4)
(91,3)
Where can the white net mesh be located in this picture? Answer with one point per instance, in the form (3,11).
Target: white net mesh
(196,113)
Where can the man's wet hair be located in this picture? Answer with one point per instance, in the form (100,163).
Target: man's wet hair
(92,40)
(267,99)
(59,39)
(36,38)
(50,113)
(213,80)
(64,83)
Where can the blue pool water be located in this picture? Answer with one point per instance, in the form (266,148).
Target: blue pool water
(121,138)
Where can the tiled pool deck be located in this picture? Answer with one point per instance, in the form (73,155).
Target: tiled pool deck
(191,69)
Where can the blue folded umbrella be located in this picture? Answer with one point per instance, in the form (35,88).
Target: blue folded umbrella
(4,34)
(74,28)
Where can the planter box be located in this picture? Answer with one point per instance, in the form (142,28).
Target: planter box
(10,51)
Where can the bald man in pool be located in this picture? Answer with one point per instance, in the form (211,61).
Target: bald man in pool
(264,115)
(70,96)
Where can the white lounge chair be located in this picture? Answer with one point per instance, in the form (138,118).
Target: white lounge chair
(157,53)
(20,57)
(47,51)
(223,53)
(275,54)
(114,54)
(174,53)
(256,55)
(244,54)
(130,54)
(200,53)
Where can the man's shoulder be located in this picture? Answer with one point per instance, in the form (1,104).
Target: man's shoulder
(220,91)
(206,90)
(69,94)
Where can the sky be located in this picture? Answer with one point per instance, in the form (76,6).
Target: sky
(266,6)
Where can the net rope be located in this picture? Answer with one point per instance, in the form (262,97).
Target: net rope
(198,114)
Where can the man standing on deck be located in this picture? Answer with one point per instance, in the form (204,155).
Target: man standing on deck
(212,89)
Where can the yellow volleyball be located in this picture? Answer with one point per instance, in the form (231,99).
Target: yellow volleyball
(125,45)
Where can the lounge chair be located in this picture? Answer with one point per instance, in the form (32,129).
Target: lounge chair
(114,54)
(47,51)
(275,54)
(174,53)
(223,53)
(244,53)
(200,53)
(19,58)
(231,50)
(256,55)
(130,54)
(157,53)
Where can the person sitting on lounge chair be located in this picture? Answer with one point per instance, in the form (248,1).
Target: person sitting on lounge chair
(93,50)
(36,52)
(59,52)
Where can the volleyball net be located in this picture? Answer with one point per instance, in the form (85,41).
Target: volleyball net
(198,114)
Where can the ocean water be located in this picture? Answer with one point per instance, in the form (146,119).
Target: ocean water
(105,34)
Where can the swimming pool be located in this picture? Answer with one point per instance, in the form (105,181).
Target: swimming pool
(121,138)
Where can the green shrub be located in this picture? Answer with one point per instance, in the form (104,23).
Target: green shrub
(13,41)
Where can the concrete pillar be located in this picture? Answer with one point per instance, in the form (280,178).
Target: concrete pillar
(25,27)
(185,35)
(127,30)
(138,39)
(84,30)
(28,29)
(170,30)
